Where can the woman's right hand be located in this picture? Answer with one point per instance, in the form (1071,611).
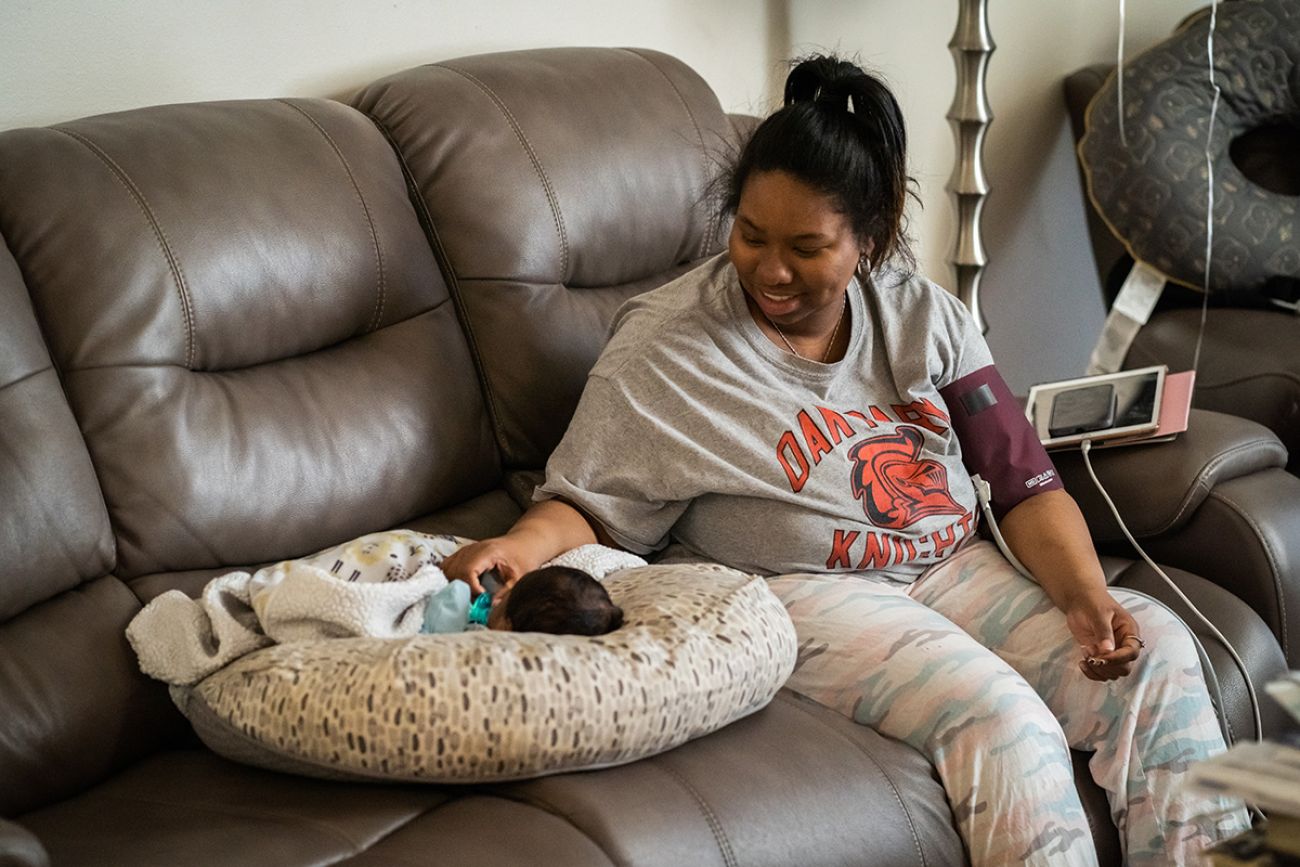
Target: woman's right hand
(472,560)
(548,528)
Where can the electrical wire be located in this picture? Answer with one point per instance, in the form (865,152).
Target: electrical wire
(983,494)
(1119,73)
(1250,686)
(1209,186)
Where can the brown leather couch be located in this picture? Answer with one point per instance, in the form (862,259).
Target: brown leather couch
(237,332)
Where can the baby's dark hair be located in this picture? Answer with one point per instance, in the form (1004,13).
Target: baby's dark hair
(840,132)
(561,601)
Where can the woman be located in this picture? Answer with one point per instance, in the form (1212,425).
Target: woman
(798,408)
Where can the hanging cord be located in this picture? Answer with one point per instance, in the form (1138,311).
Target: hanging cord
(1245,673)
(1119,74)
(983,492)
(1209,187)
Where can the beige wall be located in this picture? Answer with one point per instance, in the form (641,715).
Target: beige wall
(61,59)
(68,58)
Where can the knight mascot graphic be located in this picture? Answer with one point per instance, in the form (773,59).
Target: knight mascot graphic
(898,488)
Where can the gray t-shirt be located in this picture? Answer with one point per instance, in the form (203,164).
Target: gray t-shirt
(693,427)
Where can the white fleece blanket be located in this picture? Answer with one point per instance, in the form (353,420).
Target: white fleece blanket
(377,586)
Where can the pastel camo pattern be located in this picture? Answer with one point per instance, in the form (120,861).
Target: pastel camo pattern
(702,646)
(975,667)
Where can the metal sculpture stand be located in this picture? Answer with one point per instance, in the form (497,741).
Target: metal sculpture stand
(970,116)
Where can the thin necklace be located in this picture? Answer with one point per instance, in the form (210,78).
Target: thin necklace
(826,356)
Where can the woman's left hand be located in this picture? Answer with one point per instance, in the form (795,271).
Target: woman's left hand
(1107,636)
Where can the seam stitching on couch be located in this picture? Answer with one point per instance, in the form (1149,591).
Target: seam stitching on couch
(225,810)
(26,376)
(551,198)
(394,830)
(548,808)
(1202,482)
(365,210)
(446,267)
(719,835)
(710,227)
(911,826)
(159,235)
(1274,571)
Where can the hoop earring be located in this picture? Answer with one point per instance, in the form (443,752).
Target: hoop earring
(864,266)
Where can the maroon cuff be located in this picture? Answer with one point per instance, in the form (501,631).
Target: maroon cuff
(997,442)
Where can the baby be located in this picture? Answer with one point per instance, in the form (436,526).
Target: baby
(558,600)
(384,585)
(554,599)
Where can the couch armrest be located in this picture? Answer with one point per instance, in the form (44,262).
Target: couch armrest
(1240,626)
(1158,487)
(1245,537)
(20,848)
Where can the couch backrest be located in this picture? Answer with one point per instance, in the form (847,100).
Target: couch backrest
(225,339)
(259,359)
(249,323)
(556,183)
(73,705)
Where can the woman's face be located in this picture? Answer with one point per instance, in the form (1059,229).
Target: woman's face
(794,251)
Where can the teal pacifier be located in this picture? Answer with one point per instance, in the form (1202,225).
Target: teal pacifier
(482,605)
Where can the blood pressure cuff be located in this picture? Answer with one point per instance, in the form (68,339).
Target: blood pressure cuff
(997,442)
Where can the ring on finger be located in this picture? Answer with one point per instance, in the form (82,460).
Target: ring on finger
(1140,642)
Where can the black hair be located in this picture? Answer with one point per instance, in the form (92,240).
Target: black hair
(840,132)
(561,601)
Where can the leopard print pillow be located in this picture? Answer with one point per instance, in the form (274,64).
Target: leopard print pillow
(701,647)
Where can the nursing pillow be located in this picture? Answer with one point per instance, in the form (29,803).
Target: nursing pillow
(701,646)
(1152,191)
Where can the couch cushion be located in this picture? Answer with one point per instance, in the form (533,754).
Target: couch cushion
(191,807)
(250,325)
(75,706)
(54,531)
(792,784)
(1244,369)
(486,830)
(557,183)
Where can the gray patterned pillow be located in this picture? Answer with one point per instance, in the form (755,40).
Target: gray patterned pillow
(701,647)
(1152,192)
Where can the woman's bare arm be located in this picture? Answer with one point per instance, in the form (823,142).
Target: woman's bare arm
(548,528)
(1048,535)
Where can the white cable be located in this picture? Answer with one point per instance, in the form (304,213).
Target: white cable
(1250,687)
(1119,74)
(984,493)
(1209,189)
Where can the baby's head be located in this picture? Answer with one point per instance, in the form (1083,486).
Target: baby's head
(558,600)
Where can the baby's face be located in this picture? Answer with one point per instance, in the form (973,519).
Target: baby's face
(497,616)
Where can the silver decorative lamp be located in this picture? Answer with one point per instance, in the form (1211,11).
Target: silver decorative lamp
(970,116)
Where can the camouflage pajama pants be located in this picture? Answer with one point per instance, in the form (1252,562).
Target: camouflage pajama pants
(974,667)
